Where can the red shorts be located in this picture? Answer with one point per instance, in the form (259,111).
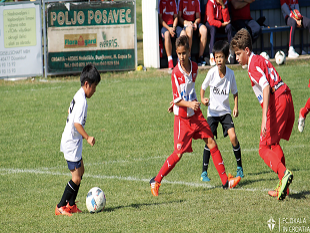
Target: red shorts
(280,120)
(185,129)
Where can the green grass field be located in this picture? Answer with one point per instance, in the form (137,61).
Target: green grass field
(134,135)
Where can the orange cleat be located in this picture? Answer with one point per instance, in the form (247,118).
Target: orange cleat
(62,211)
(73,209)
(232,181)
(154,186)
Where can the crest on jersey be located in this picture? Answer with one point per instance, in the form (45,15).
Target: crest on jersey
(179,146)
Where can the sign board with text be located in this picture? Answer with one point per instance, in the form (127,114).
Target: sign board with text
(20,40)
(101,33)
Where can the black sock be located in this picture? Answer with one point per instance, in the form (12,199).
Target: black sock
(69,191)
(73,197)
(206,158)
(237,152)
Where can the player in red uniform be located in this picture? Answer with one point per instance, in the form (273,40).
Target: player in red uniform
(168,18)
(278,115)
(303,113)
(293,18)
(217,20)
(190,18)
(189,123)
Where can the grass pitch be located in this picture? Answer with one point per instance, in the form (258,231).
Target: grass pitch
(134,135)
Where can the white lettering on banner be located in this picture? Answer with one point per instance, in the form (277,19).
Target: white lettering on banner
(99,17)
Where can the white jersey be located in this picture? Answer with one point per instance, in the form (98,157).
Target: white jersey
(219,91)
(71,140)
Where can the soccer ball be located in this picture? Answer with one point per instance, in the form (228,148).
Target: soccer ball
(265,55)
(280,57)
(95,200)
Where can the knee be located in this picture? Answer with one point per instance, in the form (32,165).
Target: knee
(167,36)
(203,30)
(211,143)
(189,31)
(228,28)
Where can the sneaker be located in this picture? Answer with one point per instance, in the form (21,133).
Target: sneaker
(201,61)
(204,176)
(154,186)
(285,183)
(292,53)
(62,211)
(301,122)
(170,64)
(240,172)
(73,209)
(231,182)
(212,61)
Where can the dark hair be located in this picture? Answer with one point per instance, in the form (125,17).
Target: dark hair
(221,46)
(90,74)
(241,40)
(182,41)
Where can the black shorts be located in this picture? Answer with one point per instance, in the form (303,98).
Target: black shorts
(226,122)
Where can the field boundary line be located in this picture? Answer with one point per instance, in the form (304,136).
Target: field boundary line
(6,171)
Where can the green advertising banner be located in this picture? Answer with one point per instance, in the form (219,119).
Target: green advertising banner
(100,33)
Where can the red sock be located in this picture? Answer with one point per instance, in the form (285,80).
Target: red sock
(304,111)
(278,150)
(271,158)
(219,164)
(169,164)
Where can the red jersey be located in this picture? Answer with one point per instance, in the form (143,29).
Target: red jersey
(183,87)
(287,6)
(215,14)
(263,73)
(167,8)
(243,13)
(189,8)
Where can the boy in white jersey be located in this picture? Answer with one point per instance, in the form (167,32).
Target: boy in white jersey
(278,114)
(72,139)
(189,123)
(221,81)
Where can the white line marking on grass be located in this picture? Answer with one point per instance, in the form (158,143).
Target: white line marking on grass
(6,171)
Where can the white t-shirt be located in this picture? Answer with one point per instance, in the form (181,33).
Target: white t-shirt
(219,91)
(72,141)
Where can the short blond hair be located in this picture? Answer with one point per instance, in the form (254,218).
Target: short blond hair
(241,40)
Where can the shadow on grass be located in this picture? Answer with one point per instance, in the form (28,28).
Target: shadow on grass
(300,195)
(244,182)
(136,206)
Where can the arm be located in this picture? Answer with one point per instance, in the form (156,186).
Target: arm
(266,96)
(204,101)
(189,104)
(211,17)
(238,4)
(80,129)
(164,24)
(235,110)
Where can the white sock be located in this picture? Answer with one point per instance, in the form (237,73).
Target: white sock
(169,58)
